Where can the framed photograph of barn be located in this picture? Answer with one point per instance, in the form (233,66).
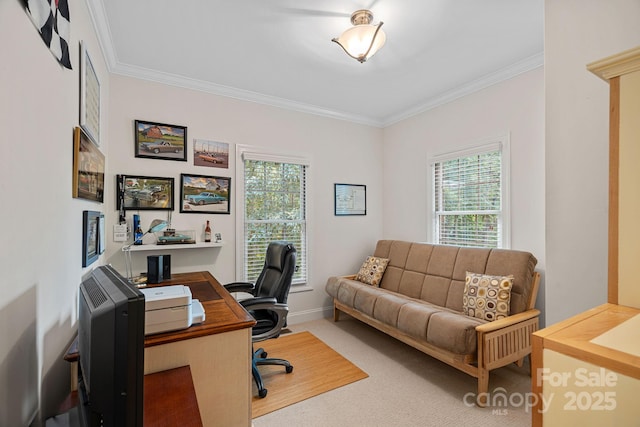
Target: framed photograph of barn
(160,141)
(205,194)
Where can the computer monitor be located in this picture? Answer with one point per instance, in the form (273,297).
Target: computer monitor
(111,348)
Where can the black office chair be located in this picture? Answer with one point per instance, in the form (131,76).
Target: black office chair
(269,303)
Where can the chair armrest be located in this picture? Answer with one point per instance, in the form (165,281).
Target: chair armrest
(240,287)
(270,304)
(259,303)
(508,321)
(350,276)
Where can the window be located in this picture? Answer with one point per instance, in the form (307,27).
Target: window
(470,203)
(274,207)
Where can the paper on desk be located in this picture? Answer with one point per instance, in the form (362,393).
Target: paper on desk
(625,337)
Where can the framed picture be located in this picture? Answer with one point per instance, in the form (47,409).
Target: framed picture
(205,194)
(90,237)
(136,192)
(89,97)
(102,236)
(210,153)
(350,199)
(88,168)
(160,141)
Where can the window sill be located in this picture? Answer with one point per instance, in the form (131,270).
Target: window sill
(302,287)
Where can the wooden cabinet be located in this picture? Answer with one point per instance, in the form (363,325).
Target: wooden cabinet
(622,71)
(586,369)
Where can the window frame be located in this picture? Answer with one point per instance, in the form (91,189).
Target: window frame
(263,154)
(500,143)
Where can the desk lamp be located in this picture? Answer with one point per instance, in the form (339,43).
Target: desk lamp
(156,225)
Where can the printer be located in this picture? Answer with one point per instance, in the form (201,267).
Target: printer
(170,308)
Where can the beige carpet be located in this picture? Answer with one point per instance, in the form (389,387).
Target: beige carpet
(405,387)
(317,368)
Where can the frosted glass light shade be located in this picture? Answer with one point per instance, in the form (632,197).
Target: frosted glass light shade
(361,42)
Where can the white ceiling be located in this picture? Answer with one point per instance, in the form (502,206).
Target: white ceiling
(279,52)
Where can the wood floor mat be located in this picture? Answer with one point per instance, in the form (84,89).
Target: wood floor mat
(317,368)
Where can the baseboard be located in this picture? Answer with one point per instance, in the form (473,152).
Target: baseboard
(309,315)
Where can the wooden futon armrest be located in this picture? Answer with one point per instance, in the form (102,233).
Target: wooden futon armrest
(508,321)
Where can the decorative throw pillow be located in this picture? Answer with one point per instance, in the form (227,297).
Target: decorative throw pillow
(487,297)
(372,270)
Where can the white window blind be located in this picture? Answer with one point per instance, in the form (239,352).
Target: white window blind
(469,197)
(274,209)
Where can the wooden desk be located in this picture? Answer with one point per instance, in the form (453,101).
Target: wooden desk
(179,407)
(169,401)
(218,352)
(583,381)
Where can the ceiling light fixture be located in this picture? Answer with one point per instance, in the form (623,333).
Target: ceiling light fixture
(363,40)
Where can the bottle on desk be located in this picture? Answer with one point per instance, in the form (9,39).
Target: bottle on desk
(207,232)
(137,230)
(137,236)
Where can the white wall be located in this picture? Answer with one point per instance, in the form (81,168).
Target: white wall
(516,107)
(578,32)
(340,152)
(40,253)
(40,249)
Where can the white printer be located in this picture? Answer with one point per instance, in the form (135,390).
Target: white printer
(170,308)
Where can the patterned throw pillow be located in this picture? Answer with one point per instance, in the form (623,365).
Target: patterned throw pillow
(487,297)
(372,270)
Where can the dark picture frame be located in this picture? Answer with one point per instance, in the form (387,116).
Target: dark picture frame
(160,141)
(136,192)
(205,194)
(88,168)
(91,227)
(350,199)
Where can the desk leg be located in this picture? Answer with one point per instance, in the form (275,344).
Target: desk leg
(221,370)
(74,376)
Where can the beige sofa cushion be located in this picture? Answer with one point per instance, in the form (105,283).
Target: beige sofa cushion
(423,321)
(437,273)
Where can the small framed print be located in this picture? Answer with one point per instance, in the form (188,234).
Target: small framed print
(90,237)
(89,97)
(210,153)
(350,199)
(205,194)
(160,141)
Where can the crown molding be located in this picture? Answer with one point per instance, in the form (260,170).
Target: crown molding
(239,94)
(491,79)
(616,65)
(99,20)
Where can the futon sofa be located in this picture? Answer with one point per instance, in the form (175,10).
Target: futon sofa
(472,308)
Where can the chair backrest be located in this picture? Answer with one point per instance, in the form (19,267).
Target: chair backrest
(277,273)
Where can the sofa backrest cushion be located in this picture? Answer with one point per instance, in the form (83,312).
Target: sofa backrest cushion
(436,273)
